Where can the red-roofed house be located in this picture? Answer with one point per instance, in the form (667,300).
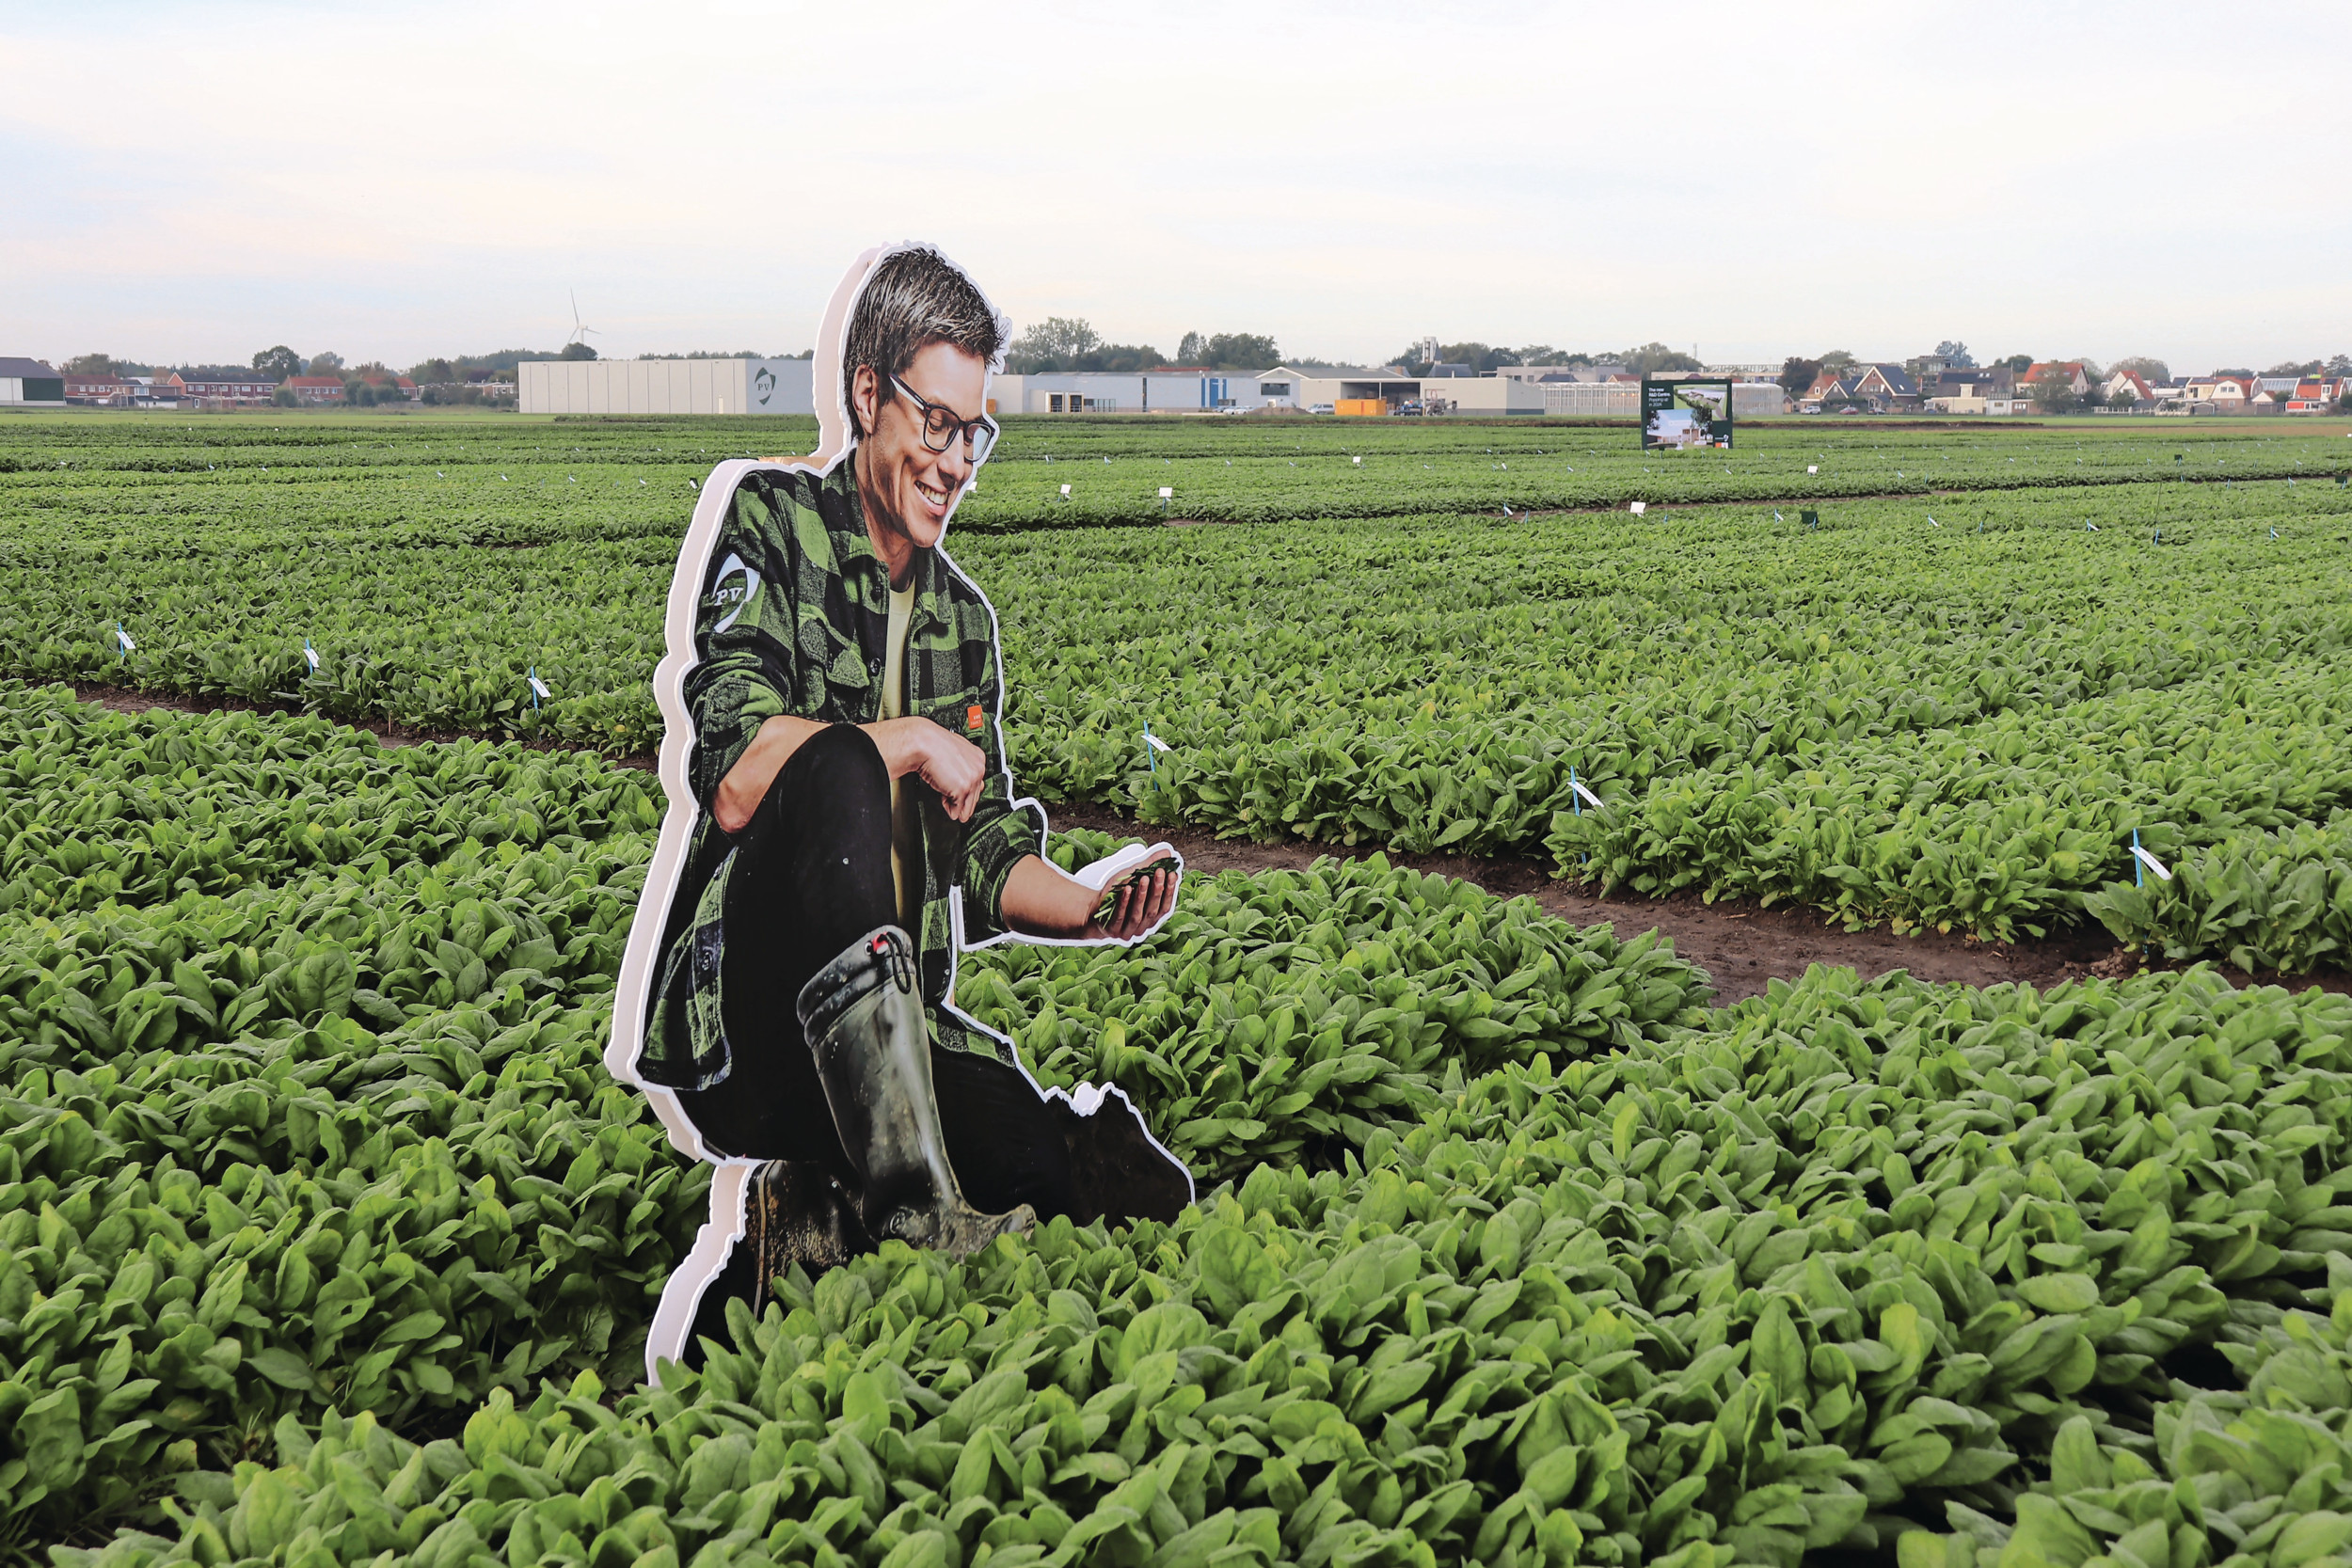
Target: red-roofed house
(382,383)
(2071,370)
(2316,395)
(97,389)
(317,388)
(244,387)
(2143,396)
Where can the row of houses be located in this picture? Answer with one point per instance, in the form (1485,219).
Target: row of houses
(2003,390)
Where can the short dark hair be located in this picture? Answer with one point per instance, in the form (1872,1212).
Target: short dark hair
(915,298)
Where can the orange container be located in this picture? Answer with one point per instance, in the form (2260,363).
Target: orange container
(1361,407)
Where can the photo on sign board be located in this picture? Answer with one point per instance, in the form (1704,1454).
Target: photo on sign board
(842,824)
(1679,416)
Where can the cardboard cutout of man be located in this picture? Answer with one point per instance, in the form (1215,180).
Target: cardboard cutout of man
(841,822)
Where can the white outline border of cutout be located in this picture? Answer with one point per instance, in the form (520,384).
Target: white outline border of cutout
(681,1296)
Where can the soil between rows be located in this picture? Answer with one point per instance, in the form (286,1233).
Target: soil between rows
(1742,945)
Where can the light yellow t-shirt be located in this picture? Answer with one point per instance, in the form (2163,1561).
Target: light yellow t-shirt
(906,846)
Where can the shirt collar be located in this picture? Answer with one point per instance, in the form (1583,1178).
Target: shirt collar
(862,565)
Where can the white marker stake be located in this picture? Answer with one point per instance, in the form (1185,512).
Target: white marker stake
(310,653)
(1578,785)
(2152,862)
(1359,462)
(1065,492)
(1166,493)
(1813,468)
(1639,507)
(122,640)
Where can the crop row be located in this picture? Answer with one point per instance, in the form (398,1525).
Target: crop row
(1941,712)
(1854,1258)
(522,485)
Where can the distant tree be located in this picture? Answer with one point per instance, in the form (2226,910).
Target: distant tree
(286,397)
(2237,370)
(1541,354)
(324,364)
(1651,357)
(2297,369)
(433,372)
(1838,359)
(358,394)
(2124,397)
(2021,363)
(1240,351)
(2149,370)
(576,351)
(2053,391)
(2340,365)
(1052,344)
(1797,373)
(1955,355)
(277,363)
(1191,349)
(88,364)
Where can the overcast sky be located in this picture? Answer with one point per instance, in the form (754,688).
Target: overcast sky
(184,183)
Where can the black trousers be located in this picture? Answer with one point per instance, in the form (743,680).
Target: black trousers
(812,875)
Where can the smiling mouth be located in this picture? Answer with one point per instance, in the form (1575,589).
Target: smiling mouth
(937,497)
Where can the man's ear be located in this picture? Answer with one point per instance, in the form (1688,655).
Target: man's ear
(864,399)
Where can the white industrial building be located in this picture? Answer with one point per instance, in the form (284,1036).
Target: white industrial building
(1101,392)
(783,386)
(1622,400)
(664,387)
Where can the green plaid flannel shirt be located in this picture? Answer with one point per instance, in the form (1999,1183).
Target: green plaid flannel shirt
(793,619)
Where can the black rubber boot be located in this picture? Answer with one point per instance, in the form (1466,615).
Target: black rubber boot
(863,1020)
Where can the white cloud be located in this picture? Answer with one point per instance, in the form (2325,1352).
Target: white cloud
(195,182)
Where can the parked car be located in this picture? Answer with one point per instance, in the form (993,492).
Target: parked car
(1321,409)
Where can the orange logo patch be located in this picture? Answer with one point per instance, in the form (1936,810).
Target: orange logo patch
(972,716)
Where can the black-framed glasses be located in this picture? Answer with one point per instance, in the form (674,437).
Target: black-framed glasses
(940,425)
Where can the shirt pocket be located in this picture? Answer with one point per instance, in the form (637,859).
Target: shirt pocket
(961,712)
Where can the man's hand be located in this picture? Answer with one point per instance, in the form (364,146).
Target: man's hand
(1142,902)
(949,764)
(1042,901)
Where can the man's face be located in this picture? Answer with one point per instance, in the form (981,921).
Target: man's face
(910,488)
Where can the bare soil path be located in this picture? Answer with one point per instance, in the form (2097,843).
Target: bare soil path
(1741,944)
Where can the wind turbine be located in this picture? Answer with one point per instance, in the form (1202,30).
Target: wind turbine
(579,332)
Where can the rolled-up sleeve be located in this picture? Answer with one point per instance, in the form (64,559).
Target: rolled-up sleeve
(744,622)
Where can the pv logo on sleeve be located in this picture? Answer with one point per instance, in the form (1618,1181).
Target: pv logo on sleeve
(735,589)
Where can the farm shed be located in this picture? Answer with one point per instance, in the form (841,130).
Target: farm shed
(31,384)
